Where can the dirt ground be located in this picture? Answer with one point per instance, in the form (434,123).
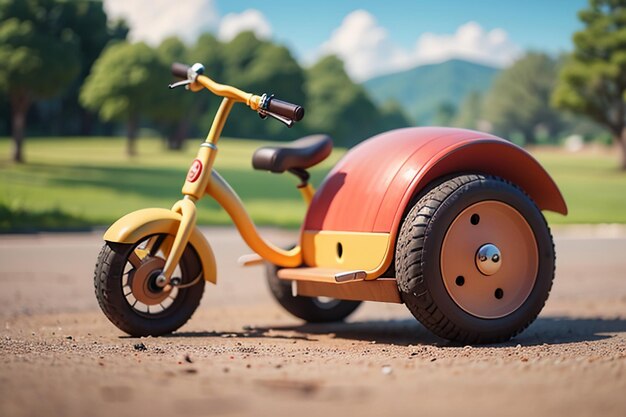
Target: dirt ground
(242,355)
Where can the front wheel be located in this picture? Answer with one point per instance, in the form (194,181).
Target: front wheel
(125,286)
(310,309)
(475,260)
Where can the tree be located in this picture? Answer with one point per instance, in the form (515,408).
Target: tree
(126,83)
(209,52)
(470,112)
(94,31)
(519,100)
(38,57)
(338,106)
(444,114)
(173,114)
(392,116)
(592,81)
(262,67)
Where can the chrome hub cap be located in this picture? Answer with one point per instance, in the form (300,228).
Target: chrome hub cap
(488,259)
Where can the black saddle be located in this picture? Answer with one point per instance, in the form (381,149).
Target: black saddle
(302,153)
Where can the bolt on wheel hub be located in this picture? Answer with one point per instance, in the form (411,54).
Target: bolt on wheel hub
(488,259)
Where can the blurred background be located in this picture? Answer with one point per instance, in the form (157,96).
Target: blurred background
(89,130)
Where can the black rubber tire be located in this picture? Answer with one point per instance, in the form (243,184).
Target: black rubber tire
(418,253)
(306,308)
(108,287)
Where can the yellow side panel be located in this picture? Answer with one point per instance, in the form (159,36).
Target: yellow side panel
(345,250)
(139,224)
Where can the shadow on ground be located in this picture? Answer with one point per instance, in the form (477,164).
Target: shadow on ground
(545,330)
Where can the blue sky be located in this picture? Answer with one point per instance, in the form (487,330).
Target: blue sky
(533,24)
(372,37)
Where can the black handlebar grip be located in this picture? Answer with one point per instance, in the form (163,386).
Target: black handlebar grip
(288,110)
(179,70)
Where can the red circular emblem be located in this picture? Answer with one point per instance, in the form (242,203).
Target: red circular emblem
(194,171)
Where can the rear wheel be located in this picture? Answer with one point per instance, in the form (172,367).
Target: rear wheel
(126,289)
(475,260)
(310,309)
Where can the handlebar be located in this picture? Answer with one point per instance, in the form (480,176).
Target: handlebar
(281,108)
(265,104)
(180,70)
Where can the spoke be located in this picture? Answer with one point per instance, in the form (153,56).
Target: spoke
(154,244)
(134,259)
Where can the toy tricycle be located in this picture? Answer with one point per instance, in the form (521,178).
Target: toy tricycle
(446,221)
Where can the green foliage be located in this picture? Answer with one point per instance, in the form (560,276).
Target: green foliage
(338,106)
(210,52)
(333,103)
(39,54)
(519,101)
(173,112)
(123,83)
(470,112)
(238,54)
(89,22)
(420,90)
(592,81)
(127,82)
(175,104)
(444,114)
(392,116)
(261,67)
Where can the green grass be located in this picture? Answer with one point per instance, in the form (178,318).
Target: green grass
(76,183)
(91,181)
(593,187)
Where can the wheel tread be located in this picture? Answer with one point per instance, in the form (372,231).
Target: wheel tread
(109,267)
(410,255)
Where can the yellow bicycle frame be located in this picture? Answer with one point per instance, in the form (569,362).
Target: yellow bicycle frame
(208,181)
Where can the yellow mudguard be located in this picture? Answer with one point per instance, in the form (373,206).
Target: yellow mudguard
(139,224)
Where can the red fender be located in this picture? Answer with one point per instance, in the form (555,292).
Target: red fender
(369,189)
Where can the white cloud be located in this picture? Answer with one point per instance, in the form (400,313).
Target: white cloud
(364,46)
(154,20)
(248,20)
(368,50)
(471,42)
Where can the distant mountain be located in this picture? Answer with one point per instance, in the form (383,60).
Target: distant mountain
(422,89)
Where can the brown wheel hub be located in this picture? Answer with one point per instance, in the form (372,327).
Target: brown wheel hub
(489,259)
(143,282)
